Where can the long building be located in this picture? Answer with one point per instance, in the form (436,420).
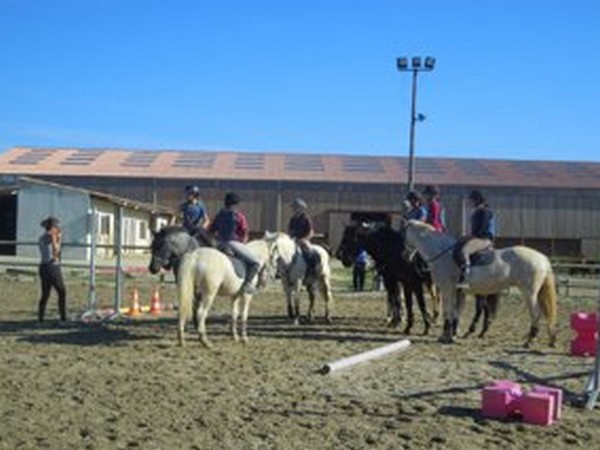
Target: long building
(549,205)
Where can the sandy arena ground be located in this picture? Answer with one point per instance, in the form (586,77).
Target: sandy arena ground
(126,385)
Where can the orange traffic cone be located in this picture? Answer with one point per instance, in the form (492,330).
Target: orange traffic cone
(134,308)
(155,303)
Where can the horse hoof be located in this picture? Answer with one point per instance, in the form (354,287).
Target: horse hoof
(426,330)
(328,321)
(446,340)
(406,330)
(244,340)
(206,343)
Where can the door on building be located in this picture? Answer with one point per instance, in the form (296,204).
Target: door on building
(8,223)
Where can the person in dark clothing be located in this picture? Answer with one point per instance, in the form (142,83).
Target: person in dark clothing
(193,213)
(300,229)
(50,272)
(415,209)
(230,227)
(481,237)
(359,271)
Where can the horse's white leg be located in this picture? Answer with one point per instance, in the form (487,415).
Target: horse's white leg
(181,330)
(246,299)
(325,291)
(235,312)
(205,305)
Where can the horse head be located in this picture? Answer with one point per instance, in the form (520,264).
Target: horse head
(168,246)
(353,240)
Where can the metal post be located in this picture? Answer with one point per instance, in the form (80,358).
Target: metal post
(411,144)
(119,265)
(92,308)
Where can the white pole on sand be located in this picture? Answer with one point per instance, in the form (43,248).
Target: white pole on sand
(365,356)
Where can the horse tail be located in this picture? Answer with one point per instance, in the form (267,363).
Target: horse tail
(185,286)
(547,302)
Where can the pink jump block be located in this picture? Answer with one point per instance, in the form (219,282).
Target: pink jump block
(505,399)
(585,325)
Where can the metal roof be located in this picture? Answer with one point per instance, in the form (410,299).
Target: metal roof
(11,184)
(295,167)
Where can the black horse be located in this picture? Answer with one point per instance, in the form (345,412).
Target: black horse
(386,247)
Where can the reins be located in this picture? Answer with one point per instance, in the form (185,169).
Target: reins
(439,255)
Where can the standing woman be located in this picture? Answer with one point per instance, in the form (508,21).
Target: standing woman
(49,269)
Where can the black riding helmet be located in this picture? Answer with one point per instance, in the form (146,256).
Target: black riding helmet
(414,197)
(231,198)
(192,190)
(49,222)
(477,197)
(431,190)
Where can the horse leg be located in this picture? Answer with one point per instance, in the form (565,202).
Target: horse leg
(325,291)
(245,308)
(423,308)
(197,300)
(449,307)
(391,287)
(235,312)
(479,308)
(489,305)
(287,288)
(202,314)
(534,314)
(410,314)
(311,302)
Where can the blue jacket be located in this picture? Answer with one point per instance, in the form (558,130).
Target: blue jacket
(193,214)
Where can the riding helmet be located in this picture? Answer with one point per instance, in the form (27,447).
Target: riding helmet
(431,190)
(414,197)
(231,198)
(49,222)
(476,196)
(192,190)
(298,203)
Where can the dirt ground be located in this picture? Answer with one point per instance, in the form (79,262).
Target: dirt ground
(126,385)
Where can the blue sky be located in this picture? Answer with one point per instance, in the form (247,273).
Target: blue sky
(514,79)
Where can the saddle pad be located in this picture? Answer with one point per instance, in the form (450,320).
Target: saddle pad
(483,258)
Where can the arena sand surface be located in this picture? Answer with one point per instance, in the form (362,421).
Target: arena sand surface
(126,385)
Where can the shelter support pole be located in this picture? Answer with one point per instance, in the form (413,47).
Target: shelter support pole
(119,264)
(92,306)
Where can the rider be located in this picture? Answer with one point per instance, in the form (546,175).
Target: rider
(481,237)
(300,228)
(435,211)
(193,212)
(231,230)
(415,210)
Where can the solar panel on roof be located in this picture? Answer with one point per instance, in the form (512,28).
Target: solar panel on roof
(304,163)
(363,165)
(81,157)
(140,159)
(473,167)
(530,169)
(31,157)
(428,166)
(195,160)
(249,161)
(579,170)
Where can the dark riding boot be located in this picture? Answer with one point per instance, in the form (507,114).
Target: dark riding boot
(247,286)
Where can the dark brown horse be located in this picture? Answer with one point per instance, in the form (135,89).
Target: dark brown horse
(386,247)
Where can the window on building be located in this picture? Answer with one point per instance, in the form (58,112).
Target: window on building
(142,230)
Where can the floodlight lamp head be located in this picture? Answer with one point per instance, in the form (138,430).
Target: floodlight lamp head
(402,63)
(416,62)
(429,63)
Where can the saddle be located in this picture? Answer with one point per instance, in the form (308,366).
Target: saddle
(482,258)
(238,265)
(312,258)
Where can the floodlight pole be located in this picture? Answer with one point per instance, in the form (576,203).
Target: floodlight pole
(415,68)
(411,143)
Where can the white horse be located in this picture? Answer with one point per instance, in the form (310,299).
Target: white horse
(205,273)
(291,268)
(519,266)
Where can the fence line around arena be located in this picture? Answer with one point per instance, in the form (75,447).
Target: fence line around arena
(92,310)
